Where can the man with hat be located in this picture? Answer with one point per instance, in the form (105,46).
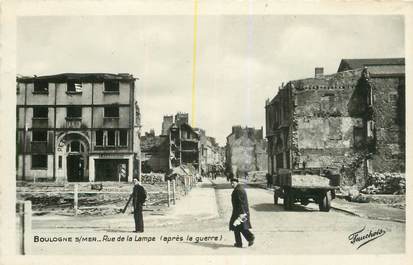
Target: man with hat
(240,218)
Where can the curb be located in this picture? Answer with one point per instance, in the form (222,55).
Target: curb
(353,213)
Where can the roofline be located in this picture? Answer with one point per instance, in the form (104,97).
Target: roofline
(64,77)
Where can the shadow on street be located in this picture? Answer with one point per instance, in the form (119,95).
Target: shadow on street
(222,186)
(269,207)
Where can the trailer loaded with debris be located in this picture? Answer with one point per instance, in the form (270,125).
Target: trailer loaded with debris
(306,185)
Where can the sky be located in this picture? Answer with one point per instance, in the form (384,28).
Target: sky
(240,60)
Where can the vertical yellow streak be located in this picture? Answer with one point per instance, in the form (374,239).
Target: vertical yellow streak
(194,64)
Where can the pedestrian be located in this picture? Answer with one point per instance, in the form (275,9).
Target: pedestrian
(240,221)
(138,198)
(269,180)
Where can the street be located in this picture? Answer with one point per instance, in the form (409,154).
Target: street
(304,230)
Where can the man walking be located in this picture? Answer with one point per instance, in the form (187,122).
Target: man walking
(138,198)
(240,218)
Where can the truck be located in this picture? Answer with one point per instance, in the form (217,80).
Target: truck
(306,185)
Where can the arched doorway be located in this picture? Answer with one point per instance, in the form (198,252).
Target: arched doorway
(76,161)
(73,157)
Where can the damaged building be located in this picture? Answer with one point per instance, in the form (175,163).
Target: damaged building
(77,127)
(183,143)
(155,152)
(178,145)
(353,120)
(210,155)
(246,151)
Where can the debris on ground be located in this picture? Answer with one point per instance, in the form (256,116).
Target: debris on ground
(386,183)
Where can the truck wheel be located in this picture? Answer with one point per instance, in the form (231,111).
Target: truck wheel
(275,198)
(325,203)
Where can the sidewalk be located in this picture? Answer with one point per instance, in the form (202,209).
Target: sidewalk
(374,211)
(199,204)
(370,210)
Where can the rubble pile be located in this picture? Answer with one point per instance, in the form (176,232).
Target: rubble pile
(152,178)
(386,183)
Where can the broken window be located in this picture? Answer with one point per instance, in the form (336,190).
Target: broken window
(111,112)
(41,87)
(111,86)
(39,161)
(123,137)
(74,112)
(74,87)
(99,138)
(39,136)
(40,112)
(111,137)
(358,137)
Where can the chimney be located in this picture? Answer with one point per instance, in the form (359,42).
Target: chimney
(319,72)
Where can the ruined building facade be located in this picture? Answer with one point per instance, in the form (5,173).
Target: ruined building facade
(155,152)
(178,144)
(183,146)
(77,127)
(245,151)
(353,120)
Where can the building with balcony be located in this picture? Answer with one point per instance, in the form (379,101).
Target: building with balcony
(77,127)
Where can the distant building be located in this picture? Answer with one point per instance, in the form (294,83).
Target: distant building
(155,152)
(166,124)
(245,150)
(353,120)
(210,156)
(184,146)
(77,127)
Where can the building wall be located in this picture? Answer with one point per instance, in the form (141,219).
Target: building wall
(246,151)
(388,109)
(328,125)
(92,100)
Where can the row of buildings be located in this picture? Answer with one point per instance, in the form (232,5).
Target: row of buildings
(86,127)
(353,120)
(180,144)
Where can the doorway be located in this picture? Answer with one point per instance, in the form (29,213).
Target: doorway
(75,168)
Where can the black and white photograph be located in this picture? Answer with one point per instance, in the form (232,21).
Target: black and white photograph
(206,133)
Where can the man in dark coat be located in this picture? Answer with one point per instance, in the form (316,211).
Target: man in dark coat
(138,198)
(240,218)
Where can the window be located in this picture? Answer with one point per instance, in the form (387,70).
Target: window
(75,146)
(39,161)
(111,86)
(41,87)
(358,134)
(99,138)
(60,162)
(40,112)
(17,88)
(111,112)
(123,137)
(111,138)
(39,136)
(73,87)
(74,112)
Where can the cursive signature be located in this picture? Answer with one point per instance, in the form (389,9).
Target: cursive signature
(363,237)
